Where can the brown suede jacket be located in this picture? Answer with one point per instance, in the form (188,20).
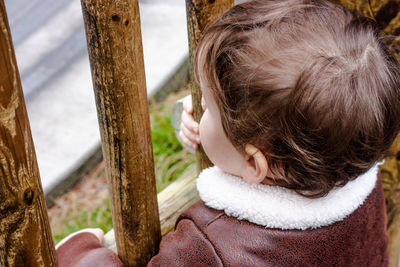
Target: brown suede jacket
(205,236)
(208,237)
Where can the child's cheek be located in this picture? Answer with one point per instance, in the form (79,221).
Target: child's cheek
(203,129)
(206,134)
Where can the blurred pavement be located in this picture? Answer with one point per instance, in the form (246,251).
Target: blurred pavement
(50,45)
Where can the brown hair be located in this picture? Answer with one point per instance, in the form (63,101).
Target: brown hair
(309,83)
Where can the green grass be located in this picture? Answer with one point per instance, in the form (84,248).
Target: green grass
(170,159)
(98,218)
(81,209)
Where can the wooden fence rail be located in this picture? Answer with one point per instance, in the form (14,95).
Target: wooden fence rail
(25,237)
(199,14)
(116,60)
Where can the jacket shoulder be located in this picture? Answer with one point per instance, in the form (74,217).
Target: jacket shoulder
(358,240)
(201,215)
(187,245)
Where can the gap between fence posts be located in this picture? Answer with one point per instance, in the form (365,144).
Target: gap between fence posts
(116,59)
(25,236)
(199,14)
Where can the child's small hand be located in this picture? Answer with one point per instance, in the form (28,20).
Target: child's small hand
(189,128)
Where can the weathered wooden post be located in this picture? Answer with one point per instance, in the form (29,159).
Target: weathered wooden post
(199,14)
(116,60)
(25,237)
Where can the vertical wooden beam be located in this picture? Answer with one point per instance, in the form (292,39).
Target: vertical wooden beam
(199,14)
(116,61)
(25,236)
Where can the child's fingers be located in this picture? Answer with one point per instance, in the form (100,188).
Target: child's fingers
(189,122)
(193,137)
(186,141)
(187,104)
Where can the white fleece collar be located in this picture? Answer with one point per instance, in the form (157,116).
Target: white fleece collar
(277,207)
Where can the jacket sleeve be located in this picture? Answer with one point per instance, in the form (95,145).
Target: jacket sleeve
(85,250)
(186,246)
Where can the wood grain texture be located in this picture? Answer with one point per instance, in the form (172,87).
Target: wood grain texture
(116,61)
(25,236)
(176,198)
(199,14)
(172,201)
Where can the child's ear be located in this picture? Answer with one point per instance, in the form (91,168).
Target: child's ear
(255,168)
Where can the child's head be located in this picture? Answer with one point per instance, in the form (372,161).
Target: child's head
(308,83)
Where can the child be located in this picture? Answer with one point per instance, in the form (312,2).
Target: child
(301,101)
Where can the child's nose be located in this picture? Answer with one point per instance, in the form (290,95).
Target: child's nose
(203,103)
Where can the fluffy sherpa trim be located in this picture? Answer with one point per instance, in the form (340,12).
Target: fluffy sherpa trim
(277,207)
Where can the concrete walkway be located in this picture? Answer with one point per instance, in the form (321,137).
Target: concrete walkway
(52,57)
